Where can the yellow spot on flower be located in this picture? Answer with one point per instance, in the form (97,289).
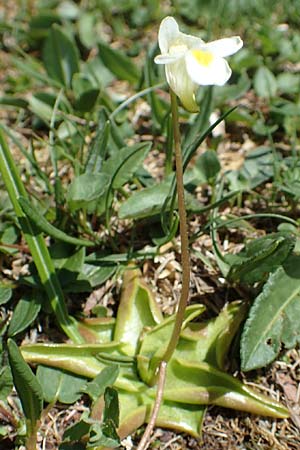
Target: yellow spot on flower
(202,57)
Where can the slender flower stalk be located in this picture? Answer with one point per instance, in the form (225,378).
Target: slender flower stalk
(185,255)
(160,375)
(189,62)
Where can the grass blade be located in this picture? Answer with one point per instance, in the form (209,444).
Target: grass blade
(36,244)
(43,225)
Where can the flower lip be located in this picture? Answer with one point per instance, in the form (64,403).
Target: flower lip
(203,57)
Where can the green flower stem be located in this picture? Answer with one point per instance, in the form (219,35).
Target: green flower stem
(185,255)
(160,374)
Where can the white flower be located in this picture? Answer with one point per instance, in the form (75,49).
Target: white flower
(190,62)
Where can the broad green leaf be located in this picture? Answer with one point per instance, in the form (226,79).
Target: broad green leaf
(97,329)
(5,294)
(26,384)
(207,166)
(76,432)
(154,343)
(265,84)
(59,385)
(97,275)
(87,100)
(40,24)
(46,227)
(137,310)
(86,189)
(151,201)
(194,382)
(69,272)
(61,56)
(288,83)
(118,63)
(146,202)
(210,341)
(274,318)
(87,28)
(40,109)
(182,417)
(9,235)
(25,312)
(261,256)
(257,168)
(123,164)
(79,359)
(86,92)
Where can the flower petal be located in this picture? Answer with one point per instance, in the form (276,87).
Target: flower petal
(182,84)
(190,41)
(169,37)
(224,47)
(167,58)
(210,70)
(168,34)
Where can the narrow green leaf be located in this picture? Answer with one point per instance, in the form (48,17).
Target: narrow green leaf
(98,147)
(25,313)
(61,56)
(111,409)
(274,318)
(105,378)
(103,435)
(190,148)
(6,382)
(119,64)
(26,384)
(157,107)
(43,225)
(5,294)
(202,119)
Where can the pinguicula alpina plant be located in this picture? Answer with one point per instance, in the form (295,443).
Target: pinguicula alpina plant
(166,369)
(189,63)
